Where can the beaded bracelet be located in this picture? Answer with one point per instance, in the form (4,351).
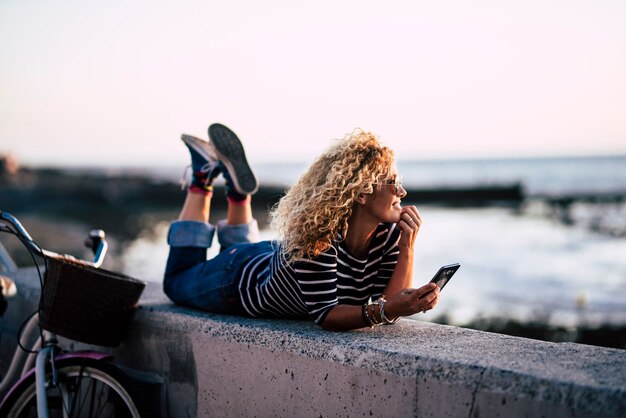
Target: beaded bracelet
(381,302)
(374,319)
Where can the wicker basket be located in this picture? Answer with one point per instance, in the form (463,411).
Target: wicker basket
(87,304)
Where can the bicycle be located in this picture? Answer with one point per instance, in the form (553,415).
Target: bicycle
(72,383)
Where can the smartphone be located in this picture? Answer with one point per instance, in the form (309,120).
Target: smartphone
(444,274)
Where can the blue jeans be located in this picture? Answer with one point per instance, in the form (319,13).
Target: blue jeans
(211,285)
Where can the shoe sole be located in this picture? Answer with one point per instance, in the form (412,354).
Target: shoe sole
(230,152)
(198,145)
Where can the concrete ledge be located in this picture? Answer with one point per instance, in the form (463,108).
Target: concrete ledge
(215,365)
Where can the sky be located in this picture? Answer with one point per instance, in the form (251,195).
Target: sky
(116,82)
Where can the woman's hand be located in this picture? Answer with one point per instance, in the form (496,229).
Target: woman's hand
(409,224)
(411,301)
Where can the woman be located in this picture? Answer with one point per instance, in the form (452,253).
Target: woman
(345,239)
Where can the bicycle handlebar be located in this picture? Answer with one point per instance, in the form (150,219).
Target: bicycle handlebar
(98,242)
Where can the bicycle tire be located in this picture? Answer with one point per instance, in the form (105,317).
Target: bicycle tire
(86,388)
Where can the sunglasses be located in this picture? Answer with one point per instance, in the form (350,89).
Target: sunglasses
(396,184)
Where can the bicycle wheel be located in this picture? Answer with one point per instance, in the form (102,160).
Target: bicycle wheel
(85,388)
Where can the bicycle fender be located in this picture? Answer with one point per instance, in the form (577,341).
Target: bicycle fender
(93,355)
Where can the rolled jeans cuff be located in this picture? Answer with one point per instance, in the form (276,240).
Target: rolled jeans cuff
(190,234)
(228,235)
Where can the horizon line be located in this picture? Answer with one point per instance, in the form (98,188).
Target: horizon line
(263,161)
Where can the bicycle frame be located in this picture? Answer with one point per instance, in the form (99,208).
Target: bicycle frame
(44,356)
(39,370)
(45,349)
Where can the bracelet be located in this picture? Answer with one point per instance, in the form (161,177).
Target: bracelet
(366,316)
(374,319)
(381,302)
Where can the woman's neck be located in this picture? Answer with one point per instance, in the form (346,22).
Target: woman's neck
(360,235)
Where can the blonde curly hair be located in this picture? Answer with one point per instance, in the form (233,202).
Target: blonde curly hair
(317,208)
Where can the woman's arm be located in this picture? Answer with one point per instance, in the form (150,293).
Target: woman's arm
(409,225)
(343,318)
(402,300)
(407,302)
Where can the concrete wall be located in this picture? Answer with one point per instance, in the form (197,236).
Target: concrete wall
(216,365)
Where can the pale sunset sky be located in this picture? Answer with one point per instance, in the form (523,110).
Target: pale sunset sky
(116,82)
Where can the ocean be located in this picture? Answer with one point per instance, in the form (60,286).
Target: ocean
(522,262)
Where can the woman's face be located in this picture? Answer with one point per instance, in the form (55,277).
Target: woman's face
(384,203)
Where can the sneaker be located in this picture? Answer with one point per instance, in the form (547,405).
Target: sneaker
(201,152)
(229,150)
(204,162)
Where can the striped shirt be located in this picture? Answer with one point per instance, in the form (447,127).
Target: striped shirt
(309,288)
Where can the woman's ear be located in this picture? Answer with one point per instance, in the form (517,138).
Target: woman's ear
(360,199)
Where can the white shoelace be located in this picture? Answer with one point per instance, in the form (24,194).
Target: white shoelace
(204,169)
